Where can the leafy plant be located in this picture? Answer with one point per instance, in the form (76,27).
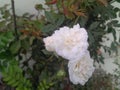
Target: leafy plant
(24,62)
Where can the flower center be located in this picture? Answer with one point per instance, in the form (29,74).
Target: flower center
(69,43)
(77,66)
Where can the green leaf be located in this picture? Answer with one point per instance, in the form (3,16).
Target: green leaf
(50,17)
(116,9)
(94,25)
(2,55)
(117,25)
(5,40)
(31,40)
(2,23)
(48,28)
(114,22)
(11,82)
(16,78)
(91,38)
(82,21)
(5,55)
(119,14)
(16,84)
(5,78)
(6,14)
(114,34)
(60,20)
(109,30)
(2,45)
(39,7)
(101,58)
(118,1)
(9,35)
(15,46)
(25,44)
(38,24)
(114,47)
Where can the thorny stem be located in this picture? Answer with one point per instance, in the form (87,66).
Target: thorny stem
(14,19)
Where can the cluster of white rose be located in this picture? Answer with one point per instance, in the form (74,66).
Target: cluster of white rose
(81,70)
(72,44)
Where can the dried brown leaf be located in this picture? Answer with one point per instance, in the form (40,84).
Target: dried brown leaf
(103,2)
(78,13)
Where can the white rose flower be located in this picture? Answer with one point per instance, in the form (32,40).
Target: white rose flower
(48,43)
(70,43)
(81,70)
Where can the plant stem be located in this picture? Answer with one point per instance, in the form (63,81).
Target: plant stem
(76,20)
(14,20)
